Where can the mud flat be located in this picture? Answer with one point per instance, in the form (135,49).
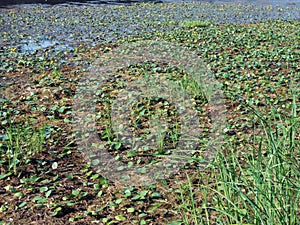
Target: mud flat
(251,50)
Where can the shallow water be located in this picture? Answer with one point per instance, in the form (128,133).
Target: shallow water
(63,27)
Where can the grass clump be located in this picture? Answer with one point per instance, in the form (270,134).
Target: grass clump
(18,145)
(258,187)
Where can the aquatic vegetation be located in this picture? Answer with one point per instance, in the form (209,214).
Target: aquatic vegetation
(252,50)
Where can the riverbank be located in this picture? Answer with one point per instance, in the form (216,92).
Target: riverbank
(253,52)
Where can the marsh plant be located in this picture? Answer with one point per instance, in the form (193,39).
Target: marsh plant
(19,144)
(258,187)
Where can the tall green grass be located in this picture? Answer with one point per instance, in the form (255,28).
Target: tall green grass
(260,186)
(19,145)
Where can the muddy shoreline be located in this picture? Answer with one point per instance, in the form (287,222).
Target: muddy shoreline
(29,28)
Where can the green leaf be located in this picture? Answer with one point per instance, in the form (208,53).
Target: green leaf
(56,211)
(39,199)
(143,193)
(19,194)
(156,195)
(2,176)
(135,197)
(55,178)
(99,193)
(22,204)
(117,145)
(130,210)
(70,203)
(34,178)
(67,120)
(94,177)
(61,109)
(97,186)
(142,215)
(48,193)
(127,192)
(69,176)
(119,200)
(43,189)
(54,165)
(3,208)
(75,192)
(120,217)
